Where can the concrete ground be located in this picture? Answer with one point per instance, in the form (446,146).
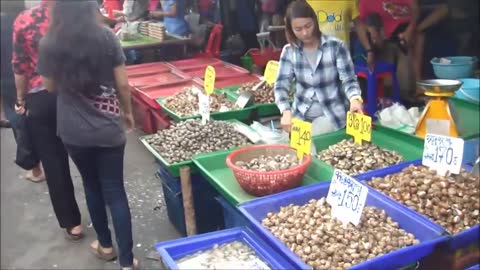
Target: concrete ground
(31,237)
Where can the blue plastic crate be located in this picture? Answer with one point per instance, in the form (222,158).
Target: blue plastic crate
(232,217)
(429,234)
(208,212)
(456,242)
(172,250)
(475,267)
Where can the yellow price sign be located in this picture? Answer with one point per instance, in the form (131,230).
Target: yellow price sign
(209,81)
(359,126)
(301,137)
(271,71)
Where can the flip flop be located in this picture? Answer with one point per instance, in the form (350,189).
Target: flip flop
(103,256)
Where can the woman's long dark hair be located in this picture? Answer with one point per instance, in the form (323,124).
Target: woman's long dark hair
(299,9)
(75,46)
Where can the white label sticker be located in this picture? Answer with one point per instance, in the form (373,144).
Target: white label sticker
(443,154)
(347,198)
(204,107)
(438,126)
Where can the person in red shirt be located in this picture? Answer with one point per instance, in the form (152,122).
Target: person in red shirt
(40,108)
(399,19)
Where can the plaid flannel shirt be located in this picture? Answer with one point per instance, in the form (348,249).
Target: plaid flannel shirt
(333,83)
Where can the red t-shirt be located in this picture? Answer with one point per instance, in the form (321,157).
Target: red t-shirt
(392,12)
(29,27)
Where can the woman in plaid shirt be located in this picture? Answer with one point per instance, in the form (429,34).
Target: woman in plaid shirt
(326,84)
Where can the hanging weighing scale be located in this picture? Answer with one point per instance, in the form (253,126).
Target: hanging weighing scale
(437,117)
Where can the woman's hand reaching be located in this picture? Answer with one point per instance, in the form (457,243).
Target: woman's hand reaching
(356,106)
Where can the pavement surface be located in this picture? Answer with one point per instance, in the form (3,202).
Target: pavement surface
(31,237)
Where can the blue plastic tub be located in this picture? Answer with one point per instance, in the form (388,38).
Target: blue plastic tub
(460,241)
(475,267)
(471,151)
(208,212)
(470,90)
(232,217)
(429,234)
(173,250)
(396,169)
(460,67)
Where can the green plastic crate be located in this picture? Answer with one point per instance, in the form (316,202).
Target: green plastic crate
(466,117)
(263,109)
(410,147)
(243,115)
(214,168)
(174,169)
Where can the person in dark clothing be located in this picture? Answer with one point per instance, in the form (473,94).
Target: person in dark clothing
(10,10)
(84,65)
(39,107)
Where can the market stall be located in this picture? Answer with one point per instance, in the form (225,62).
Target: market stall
(260,187)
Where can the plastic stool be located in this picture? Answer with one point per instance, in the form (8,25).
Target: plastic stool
(375,83)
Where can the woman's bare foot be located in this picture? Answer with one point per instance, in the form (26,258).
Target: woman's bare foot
(36,174)
(135,265)
(77,229)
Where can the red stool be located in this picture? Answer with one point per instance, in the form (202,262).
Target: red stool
(213,45)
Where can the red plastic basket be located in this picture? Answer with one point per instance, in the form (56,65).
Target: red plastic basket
(266,183)
(261,58)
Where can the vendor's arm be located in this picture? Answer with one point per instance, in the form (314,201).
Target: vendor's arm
(158,14)
(346,73)
(408,34)
(284,79)
(438,14)
(362,33)
(20,60)
(282,87)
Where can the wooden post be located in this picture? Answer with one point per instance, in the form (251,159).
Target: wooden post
(188,203)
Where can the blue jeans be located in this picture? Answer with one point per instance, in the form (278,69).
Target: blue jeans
(102,173)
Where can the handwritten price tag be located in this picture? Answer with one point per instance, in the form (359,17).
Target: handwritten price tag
(301,137)
(359,126)
(347,198)
(442,153)
(271,71)
(209,81)
(204,107)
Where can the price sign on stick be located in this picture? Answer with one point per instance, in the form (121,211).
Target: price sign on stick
(209,81)
(301,137)
(271,71)
(359,126)
(347,198)
(204,107)
(442,153)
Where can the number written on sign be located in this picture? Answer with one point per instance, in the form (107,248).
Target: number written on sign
(442,153)
(359,126)
(271,71)
(204,107)
(347,198)
(301,137)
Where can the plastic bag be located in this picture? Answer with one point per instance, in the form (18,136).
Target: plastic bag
(399,118)
(129,31)
(270,136)
(26,157)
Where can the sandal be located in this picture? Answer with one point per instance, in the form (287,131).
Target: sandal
(73,236)
(103,256)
